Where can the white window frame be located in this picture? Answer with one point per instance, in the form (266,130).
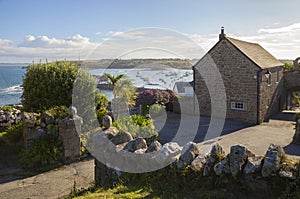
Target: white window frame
(240,106)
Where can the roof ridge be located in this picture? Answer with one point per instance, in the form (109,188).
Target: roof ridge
(255,52)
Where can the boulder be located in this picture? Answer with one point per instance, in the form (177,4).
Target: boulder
(198,163)
(222,167)
(272,160)
(188,154)
(169,152)
(154,146)
(215,155)
(121,137)
(133,145)
(111,132)
(253,165)
(237,158)
(107,121)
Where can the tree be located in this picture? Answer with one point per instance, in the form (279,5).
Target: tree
(123,91)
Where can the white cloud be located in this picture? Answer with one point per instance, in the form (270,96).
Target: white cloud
(46,42)
(5,43)
(289,28)
(282,42)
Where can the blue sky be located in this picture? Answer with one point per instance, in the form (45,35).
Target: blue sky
(65,29)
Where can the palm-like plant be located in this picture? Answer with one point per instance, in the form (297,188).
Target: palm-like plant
(123,89)
(113,79)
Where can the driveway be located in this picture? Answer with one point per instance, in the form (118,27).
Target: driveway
(279,130)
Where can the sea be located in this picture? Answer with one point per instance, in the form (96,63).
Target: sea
(11,78)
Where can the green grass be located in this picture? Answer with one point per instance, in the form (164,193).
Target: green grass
(117,192)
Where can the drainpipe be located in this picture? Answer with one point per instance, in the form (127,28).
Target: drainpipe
(258,95)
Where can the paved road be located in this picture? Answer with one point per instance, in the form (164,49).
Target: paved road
(52,184)
(59,182)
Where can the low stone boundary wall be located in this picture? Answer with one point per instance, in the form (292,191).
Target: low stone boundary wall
(239,163)
(35,126)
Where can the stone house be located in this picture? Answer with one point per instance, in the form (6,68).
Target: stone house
(252,80)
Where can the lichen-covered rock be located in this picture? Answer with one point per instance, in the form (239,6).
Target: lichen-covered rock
(237,158)
(222,167)
(198,163)
(111,132)
(272,160)
(188,154)
(215,155)
(287,172)
(253,165)
(121,137)
(154,146)
(133,145)
(168,152)
(107,121)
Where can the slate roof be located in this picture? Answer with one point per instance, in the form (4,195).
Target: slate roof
(261,57)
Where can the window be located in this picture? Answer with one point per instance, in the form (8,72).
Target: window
(238,106)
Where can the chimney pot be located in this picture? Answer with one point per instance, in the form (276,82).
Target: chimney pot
(222,35)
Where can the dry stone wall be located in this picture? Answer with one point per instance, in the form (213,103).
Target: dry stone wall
(240,163)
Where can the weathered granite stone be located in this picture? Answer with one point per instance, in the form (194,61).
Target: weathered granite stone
(154,146)
(215,154)
(107,121)
(133,145)
(222,167)
(287,172)
(188,154)
(69,131)
(272,160)
(237,158)
(121,137)
(253,165)
(111,132)
(198,163)
(168,152)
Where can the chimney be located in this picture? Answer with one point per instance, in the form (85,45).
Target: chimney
(222,35)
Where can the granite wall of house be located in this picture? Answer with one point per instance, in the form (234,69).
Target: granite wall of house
(239,76)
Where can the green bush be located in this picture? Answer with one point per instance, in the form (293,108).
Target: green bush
(58,112)
(50,84)
(156,109)
(14,133)
(136,125)
(45,150)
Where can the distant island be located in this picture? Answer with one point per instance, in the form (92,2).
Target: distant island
(138,63)
(132,63)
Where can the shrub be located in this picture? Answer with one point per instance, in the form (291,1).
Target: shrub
(14,133)
(156,109)
(136,125)
(50,84)
(58,112)
(148,97)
